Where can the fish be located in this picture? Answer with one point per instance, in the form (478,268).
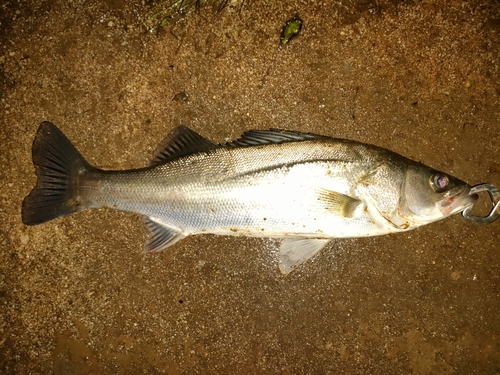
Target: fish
(305,189)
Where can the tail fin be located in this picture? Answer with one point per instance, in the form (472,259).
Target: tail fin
(57,164)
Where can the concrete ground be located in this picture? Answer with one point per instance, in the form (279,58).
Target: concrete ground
(79,296)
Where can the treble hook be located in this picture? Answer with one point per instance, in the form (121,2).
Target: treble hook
(495,199)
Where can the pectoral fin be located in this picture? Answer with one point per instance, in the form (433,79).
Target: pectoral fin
(161,237)
(295,251)
(338,203)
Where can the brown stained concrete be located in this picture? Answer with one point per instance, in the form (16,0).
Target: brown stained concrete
(79,296)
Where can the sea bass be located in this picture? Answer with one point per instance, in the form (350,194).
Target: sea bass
(304,188)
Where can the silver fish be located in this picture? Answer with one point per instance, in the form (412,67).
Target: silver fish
(304,188)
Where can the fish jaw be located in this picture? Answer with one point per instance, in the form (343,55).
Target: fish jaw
(457,203)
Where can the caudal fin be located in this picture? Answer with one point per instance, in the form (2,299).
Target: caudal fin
(57,164)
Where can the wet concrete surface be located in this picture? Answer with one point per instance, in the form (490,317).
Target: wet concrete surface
(79,296)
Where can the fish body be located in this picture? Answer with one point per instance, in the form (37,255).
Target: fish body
(304,188)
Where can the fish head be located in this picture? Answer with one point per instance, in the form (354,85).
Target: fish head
(430,195)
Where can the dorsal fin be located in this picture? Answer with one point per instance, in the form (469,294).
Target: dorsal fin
(180,142)
(263,137)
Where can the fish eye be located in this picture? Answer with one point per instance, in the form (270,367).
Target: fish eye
(439,182)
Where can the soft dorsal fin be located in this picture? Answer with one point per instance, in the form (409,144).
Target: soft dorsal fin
(263,137)
(295,251)
(180,142)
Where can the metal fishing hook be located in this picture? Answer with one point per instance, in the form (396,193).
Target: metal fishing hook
(495,199)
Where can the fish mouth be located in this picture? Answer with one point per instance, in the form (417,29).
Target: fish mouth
(457,202)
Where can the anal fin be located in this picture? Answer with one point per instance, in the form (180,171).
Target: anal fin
(295,251)
(161,236)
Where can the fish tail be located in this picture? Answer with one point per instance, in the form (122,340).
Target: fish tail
(58,165)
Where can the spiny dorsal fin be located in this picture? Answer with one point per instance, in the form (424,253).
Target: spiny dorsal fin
(264,137)
(180,142)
